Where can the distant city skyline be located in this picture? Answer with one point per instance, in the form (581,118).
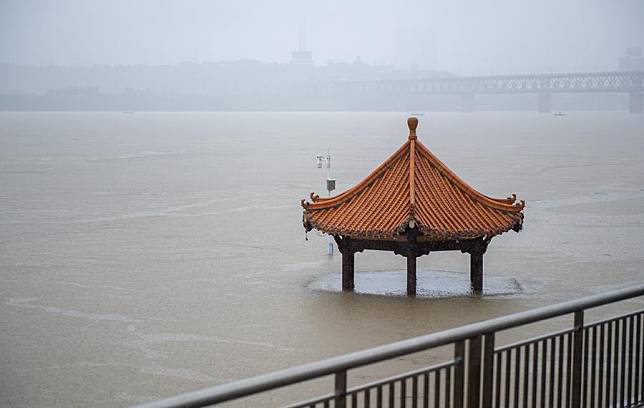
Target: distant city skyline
(463,37)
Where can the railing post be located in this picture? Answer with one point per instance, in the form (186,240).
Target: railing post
(474,373)
(459,373)
(577,358)
(488,368)
(341,389)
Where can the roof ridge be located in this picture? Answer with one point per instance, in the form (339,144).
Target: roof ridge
(497,203)
(412,124)
(412,179)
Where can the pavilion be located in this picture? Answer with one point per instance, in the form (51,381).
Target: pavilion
(413,204)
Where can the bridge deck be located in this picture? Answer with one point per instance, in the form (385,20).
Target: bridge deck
(525,83)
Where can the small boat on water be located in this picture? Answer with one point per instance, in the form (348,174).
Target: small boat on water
(559,114)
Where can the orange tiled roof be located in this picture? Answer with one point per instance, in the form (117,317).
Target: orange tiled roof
(413,188)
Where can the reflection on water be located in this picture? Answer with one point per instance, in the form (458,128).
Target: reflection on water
(430,284)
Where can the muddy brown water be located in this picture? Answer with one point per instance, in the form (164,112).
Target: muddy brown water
(149,254)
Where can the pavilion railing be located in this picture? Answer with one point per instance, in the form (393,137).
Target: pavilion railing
(587,365)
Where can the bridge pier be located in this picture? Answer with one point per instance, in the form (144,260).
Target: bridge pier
(635,102)
(545,102)
(467,102)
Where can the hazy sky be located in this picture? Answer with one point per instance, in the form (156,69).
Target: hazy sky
(464,37)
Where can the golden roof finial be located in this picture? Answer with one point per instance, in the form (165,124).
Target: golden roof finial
(412,122)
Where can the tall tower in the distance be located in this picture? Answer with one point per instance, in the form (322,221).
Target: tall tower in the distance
(301,56)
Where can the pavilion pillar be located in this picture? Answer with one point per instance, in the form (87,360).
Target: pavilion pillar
(411,275)
(347,249)
(476,272)
(347,270)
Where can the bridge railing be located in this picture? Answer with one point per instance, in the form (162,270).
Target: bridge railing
(587,365)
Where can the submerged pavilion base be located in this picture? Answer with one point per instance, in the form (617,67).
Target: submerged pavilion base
(430,284)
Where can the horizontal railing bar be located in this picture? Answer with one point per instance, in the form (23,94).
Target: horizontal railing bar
(265,382)
(403,376)
(535,76)
(386,381)
(317,400)
(532,340)
(614,318)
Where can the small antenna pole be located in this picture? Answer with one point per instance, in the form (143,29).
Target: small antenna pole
(330,186)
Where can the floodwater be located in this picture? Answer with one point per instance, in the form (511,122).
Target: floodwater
(148,254)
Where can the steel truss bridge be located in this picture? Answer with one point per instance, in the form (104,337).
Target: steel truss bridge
(544,85)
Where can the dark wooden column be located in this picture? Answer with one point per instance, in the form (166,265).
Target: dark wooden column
(347,270)
(411,275)
(348,248)
(476,271)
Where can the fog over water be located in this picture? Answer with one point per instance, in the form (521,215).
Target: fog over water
(463,37)
(296,55)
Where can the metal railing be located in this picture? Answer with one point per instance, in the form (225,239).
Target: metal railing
(593,365)
(616,81)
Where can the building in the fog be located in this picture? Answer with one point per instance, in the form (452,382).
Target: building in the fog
(632,60)
(301,56)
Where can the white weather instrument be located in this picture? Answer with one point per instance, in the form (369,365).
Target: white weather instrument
(325,161)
